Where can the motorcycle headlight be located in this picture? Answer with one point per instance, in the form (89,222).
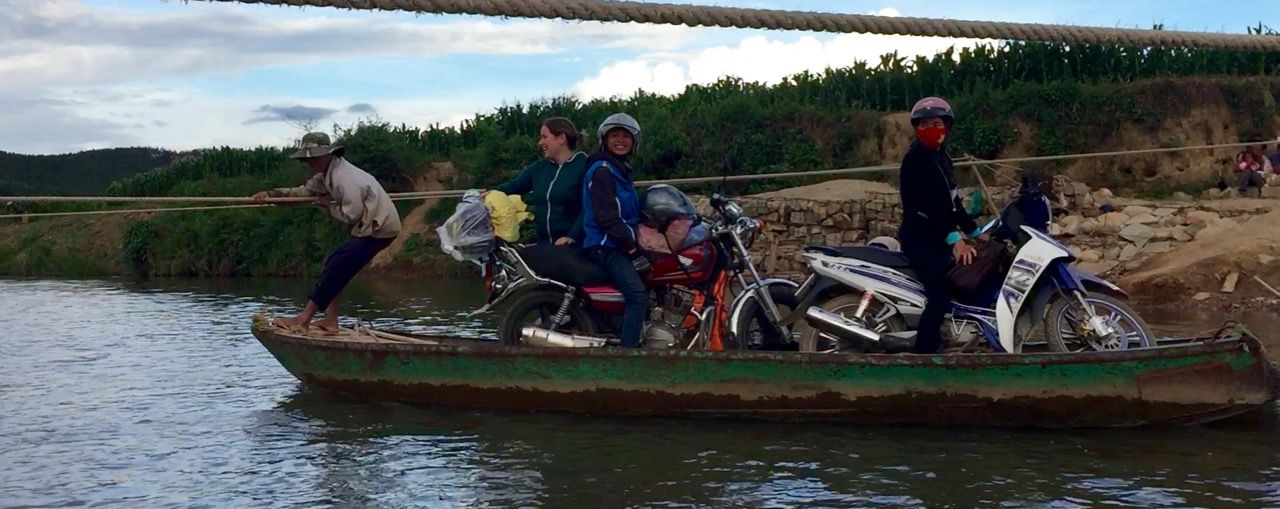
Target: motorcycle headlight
(748,230)
(732,211)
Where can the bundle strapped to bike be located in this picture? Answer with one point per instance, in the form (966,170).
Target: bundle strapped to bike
(468,234)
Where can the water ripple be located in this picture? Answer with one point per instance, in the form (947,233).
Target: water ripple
(155,394)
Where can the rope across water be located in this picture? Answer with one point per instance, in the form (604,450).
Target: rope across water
(244,202)
(733,17)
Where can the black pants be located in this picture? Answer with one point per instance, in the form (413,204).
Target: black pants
(1248,179)
(343,265)
(931,261)
(628,281)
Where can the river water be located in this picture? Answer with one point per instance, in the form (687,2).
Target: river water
(155,395)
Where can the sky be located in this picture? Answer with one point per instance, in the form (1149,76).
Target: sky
(86,74)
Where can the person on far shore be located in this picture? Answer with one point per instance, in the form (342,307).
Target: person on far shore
(1260,154)
(1250,169)
(555,182)
(1274,157)
(353,197)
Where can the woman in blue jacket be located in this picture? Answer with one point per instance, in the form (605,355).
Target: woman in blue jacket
(611,212)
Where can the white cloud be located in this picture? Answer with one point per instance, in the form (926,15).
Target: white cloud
(77,76)
(756,59)
(49,125)
(182,119)
(80,76)
(63,43)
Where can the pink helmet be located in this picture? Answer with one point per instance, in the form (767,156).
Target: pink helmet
(930,107)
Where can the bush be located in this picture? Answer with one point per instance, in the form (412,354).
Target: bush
(135,247)
(1075,98)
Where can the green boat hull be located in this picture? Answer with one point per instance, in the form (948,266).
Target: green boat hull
(1189,383)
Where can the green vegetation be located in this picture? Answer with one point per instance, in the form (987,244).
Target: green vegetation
(1048,98)
(63,248)
(1079,94)
(82,173)
(230,243)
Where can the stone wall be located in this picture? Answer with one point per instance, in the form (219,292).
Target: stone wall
(1123,238)
(1106,233)
(792,223)
(789,224)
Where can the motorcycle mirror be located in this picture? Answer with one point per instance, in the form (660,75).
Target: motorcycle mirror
(728,167)
(736,187)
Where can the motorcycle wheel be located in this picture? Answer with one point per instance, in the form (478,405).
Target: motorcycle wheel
(844,304)
(757,330)
(538,308)
(1064,322)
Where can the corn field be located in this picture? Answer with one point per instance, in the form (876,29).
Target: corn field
(1073,98)
(810,120)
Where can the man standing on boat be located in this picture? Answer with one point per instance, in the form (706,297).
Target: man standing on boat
(353,197)
(933,217)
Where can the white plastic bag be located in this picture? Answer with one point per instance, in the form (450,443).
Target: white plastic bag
(467,235)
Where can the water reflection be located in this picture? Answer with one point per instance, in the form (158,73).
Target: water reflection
(426,306)
(154,393)
(521,459)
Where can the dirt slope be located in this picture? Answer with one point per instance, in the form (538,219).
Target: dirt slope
(833,190)
(430,178)
(1250,247)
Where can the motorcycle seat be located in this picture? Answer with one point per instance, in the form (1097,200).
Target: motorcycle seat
(563,264)
(870,254)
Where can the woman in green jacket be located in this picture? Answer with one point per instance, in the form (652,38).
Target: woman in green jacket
(554,184)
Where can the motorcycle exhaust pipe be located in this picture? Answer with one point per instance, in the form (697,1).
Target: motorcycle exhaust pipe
(839,326)
(538,336)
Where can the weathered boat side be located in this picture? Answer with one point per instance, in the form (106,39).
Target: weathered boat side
(1179,384)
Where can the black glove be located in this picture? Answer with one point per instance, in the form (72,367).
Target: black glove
(640,262)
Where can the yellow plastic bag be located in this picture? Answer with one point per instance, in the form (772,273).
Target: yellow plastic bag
(507,212)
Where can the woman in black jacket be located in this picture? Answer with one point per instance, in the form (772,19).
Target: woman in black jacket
(932,216)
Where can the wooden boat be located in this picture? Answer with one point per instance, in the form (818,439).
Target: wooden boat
(1194,382)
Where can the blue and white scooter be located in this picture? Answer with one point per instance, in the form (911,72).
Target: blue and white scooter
(866,298)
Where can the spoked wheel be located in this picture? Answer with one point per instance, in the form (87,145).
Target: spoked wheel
(538,308)
(757,330)
(877,318)
(1067,328)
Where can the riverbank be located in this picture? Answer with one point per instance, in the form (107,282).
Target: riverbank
(96,246)
(1171,252)
(88,246)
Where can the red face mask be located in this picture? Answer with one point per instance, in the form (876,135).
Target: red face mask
(932,137)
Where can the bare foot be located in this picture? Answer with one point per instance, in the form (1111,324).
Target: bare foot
(326,325)
(292,323)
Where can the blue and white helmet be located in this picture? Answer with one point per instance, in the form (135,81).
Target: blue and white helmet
(620,120)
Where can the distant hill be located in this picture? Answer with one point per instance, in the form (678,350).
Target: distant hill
(82,173)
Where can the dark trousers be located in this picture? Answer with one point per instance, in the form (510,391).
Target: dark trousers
(1248,179)
(343,265)
(931,261)
(624,275)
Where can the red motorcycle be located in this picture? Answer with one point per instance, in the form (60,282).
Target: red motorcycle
(555,297)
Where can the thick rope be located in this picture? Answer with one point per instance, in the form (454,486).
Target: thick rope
(131,211)
(732,17)
(960,163)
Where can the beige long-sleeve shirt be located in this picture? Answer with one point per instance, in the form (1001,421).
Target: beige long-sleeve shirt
(356,198)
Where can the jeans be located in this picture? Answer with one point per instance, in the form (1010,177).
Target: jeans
(1247,179)
(343,265)
(624,276)
(931,261)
